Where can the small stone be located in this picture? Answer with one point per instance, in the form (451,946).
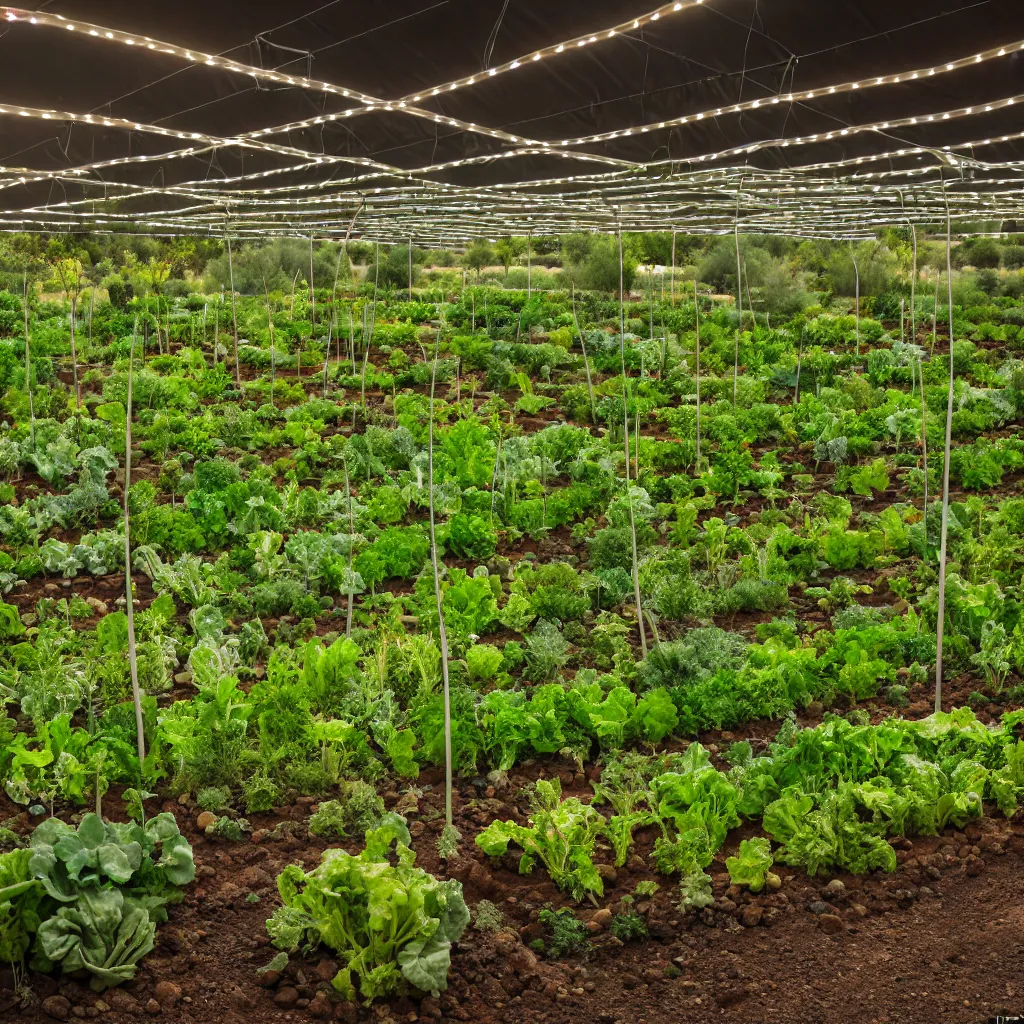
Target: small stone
(205,820)
(602,917)
(57,1007)
(326,970)
(320,1006)
(815,709)
(183,678)
(750,915)
(772,881)
(608,873)
(153,1007)
(431,1008)
(819,907)
(167,993)
(122,1002)
(100,1006)
(835,888)
(974,866)
(240,999)
(268,979)
(831,924)
(286,997)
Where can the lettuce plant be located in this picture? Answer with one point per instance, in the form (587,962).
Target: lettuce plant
(562,836)
(750,867)
(392,923)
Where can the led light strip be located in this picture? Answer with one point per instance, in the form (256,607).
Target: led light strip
(197,57)
(803,95)
(567,46)
(19,14)
(826,186)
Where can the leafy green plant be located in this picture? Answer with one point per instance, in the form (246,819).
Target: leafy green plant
(393,924)
(102,890)
(562,835)
(569,935)
(487,917)
(751,865)
(867,479)
(628,926)
(359,810)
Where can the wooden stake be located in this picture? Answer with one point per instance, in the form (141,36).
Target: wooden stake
(140,731)
(940,624)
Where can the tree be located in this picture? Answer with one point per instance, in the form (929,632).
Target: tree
(68,270)
(600,272)
(507,250)
(1013,257)
(478,256)
(981,253)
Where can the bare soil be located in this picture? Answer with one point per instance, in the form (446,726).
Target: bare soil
(938,940)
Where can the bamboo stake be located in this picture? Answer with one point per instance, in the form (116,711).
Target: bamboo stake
(74,359)
(913,289)
(270,328)
(799,361)
(696,321)
(234,318)
(672,287)
(739,305)
(327,352)
(586,361)
(367,338)
(140,731)
(625,428)
(856,306)
(351,535)
(935,310)
(924,452)
(940,624)
(442,633)
(28,370)
(92,309)
(410,268)
(312,294)
(529,265)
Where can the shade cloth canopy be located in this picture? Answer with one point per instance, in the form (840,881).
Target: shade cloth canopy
(447,120)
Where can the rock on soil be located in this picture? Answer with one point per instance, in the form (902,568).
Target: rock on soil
(57,1007)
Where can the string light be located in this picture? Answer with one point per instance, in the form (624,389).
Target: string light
(710,190)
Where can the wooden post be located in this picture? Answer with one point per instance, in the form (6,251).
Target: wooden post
(234,318)
(940,624)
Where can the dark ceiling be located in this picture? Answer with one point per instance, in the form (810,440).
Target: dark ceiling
(701,58)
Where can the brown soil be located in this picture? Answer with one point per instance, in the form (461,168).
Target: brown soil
(937,940)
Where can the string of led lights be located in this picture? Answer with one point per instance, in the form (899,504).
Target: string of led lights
(698,191)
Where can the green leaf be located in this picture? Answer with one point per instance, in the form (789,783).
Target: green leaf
(752,864)
(425,963)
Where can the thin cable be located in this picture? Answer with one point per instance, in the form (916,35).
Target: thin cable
(493,38)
